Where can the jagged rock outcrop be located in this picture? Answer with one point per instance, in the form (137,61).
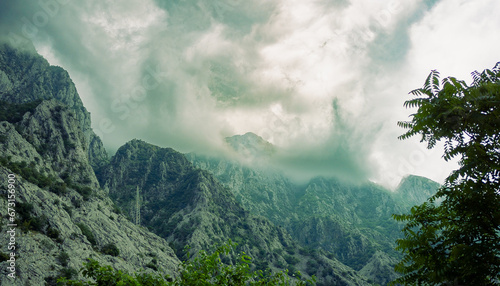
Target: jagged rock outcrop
(264,192)
(50,242)
(352,221)
(26,76)
(414,190)
(187,205)
(62,215)
(251,146)
(379,268)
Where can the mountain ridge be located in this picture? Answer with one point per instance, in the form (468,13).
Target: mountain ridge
(193,208)
(62,215)
(354,221)
(71,192)
(26,77)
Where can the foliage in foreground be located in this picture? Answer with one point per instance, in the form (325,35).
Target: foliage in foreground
(457,242)
(205,269)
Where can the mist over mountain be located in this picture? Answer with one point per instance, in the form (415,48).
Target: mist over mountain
(250,146)
(143,133)
(352,220)
(26,77)
(323,80)
(138,209)
(62,216)
(189,206)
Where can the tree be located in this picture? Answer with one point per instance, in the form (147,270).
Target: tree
(454,237)
(204,269)
(209,269)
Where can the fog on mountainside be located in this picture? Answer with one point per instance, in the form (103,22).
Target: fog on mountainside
(137,137)
(321,81)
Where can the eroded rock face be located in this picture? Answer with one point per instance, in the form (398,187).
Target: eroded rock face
(189,206)
(353,221)
(62,215)
(26,77)
(379,268)
(414,190)
(61,212)
(39,250)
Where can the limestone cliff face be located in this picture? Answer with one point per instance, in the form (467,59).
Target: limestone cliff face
(414,190)
(351,221)
(62,215)
(263,192)
(379,268)
(188,206)
(26,77)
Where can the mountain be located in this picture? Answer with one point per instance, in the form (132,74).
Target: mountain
(26,77)
(251,146)
(189,206)
(414,190)
(139,209)
(62,215)
(351,221)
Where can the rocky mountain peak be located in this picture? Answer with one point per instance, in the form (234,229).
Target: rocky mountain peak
(250,145)
(414,190)
(27,77)
(62,215)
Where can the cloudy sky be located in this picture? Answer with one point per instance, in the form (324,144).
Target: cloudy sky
(324,80)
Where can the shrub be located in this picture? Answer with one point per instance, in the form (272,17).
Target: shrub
(116,209)
(88,233)
(110,249)
(280,263)
(58,188)
(106,275)
(26,219)
(77,203)
(68,273)
(53,233)
(63,258)
(86,192)
(152,266)
(292,260)
(312,266)
(204,269)
(4,257)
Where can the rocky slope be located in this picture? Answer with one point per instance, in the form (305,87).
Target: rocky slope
(25,77)
(352,221)
(251,146)
(188,206)
(338,231)
(414,190)
(62,215)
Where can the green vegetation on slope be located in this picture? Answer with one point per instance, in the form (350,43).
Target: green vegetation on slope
(13,112)
(204,269)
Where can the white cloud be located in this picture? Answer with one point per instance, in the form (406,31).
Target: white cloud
(275,68)
(455,37)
